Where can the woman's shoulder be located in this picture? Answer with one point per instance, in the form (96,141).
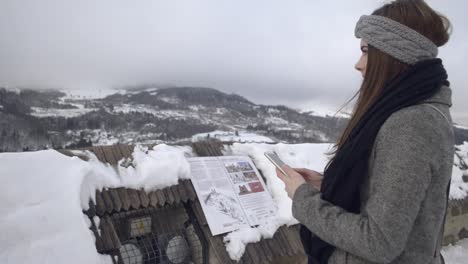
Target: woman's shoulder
(420,118)
(419,123)
(431,114)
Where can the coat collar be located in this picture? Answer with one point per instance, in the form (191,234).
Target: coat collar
(443,96)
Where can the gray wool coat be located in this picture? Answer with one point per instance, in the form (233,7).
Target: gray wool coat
(403,201)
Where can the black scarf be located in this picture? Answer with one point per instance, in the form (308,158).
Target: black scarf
(342,179)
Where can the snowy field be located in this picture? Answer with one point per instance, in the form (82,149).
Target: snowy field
(325,111)
(68,113)
(461,127)
(89,93)
(227,136)
(456,254)
(41,219)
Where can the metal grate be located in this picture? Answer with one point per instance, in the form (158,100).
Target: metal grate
(163,235)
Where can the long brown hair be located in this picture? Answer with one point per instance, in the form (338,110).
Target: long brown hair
(381,67)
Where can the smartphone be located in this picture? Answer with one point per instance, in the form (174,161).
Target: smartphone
(273,157)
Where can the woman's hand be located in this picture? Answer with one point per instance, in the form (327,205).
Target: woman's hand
(311,177)
(297,177)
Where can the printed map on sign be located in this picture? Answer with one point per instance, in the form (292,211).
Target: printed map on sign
(231,192)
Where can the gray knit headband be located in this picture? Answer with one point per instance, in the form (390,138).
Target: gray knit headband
(395,39)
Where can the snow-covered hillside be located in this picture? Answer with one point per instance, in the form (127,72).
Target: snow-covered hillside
(55,112)
(326,111)
(33,119)
(89,93)
(460,126)
(38,119)
(236,136)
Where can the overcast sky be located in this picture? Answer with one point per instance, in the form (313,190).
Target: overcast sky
(297,53)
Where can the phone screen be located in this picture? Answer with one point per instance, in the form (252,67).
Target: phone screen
(273,157)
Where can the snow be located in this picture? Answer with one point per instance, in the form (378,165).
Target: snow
(99,137)
(325,111)
(150,170)
(87,93)
(276,121)
(460,126)
(322,136)
(196,108)
(220,111)
(228,136)
(170,100)
(41,204)
(459,188)
(273,110)
(100,93)
(46,112)
(176,114)
(150,90)
(13,89)
(106,139)
(40,213)
(463,150)
(279,122)
(169,162)
(237,240)
(127,108)
(456,254)
(97,221)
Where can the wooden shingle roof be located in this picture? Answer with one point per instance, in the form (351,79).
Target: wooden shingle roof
(115,200)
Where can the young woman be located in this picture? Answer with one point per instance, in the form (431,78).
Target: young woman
(384,193)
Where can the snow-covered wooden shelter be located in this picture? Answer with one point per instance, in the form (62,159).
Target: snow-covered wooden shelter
(168,225)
